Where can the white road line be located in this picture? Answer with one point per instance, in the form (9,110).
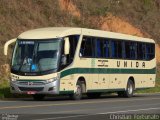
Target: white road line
(7,101)
(126,111)
(73,111)
(73,116)
(156,93)
(74,103)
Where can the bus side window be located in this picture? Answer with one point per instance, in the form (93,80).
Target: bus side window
(116,49)
(86,47)
(133,50)
(130,50)
(73,40)
(119,49)
(99,48)
(102,48)
(127,50)
(140,51)
(150,51)
(106,49)
(113,50)
(98,53)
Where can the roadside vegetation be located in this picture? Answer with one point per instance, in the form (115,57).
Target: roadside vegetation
(156,89)
(4,89)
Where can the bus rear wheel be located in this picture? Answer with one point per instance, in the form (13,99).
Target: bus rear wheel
(38,97)
(129,90)
(77,95)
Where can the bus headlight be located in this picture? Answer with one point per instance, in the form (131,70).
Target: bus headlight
(51,80)
(13,80)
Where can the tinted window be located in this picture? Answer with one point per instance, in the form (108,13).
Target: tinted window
(73,40)
(140,51)
(102,48)
(87,47)
(116,49)
(106,49)
(130,50)
(99,48)
(150,51)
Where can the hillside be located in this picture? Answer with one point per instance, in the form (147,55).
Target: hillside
(138,17)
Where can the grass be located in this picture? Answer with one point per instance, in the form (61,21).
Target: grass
(151,90)
(5,90)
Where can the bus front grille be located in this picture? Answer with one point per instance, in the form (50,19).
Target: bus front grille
(31,88)
(33,83)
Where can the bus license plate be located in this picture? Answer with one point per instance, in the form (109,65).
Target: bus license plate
(31,92)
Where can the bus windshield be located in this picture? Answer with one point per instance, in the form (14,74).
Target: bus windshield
(36,55)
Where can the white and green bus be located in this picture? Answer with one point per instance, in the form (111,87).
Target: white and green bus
(76,61)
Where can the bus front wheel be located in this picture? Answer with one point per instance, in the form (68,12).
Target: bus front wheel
(77,95)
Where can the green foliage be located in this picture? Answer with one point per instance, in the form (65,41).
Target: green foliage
(158,70)
(4,89)
(151,90)
(147,3)
(100,12)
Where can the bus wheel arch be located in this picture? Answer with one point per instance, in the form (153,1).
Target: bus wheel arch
(80,88)
(83,82)
(129,88)
(133,80)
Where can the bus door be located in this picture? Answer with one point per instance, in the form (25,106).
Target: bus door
(102,52)
(94,75)
(103,76)
(87,57)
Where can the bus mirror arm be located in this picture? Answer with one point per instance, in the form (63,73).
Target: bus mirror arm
(7,44)
(66,45)
(63,60)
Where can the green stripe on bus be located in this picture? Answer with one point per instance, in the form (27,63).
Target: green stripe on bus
(106,71)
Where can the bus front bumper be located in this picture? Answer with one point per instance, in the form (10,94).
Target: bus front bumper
(34,87)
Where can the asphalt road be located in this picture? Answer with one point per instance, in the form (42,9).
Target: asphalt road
(94,109)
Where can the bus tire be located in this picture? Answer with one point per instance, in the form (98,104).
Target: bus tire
(77,95)
(93,95)
(129,90)
(38,97)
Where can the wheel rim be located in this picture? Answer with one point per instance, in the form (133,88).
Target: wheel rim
(78,90)
(130,89)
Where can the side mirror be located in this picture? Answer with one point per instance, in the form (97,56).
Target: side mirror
(66,45)
(7,44)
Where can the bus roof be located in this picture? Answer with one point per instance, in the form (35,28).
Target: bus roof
(48,33)
(57,32)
